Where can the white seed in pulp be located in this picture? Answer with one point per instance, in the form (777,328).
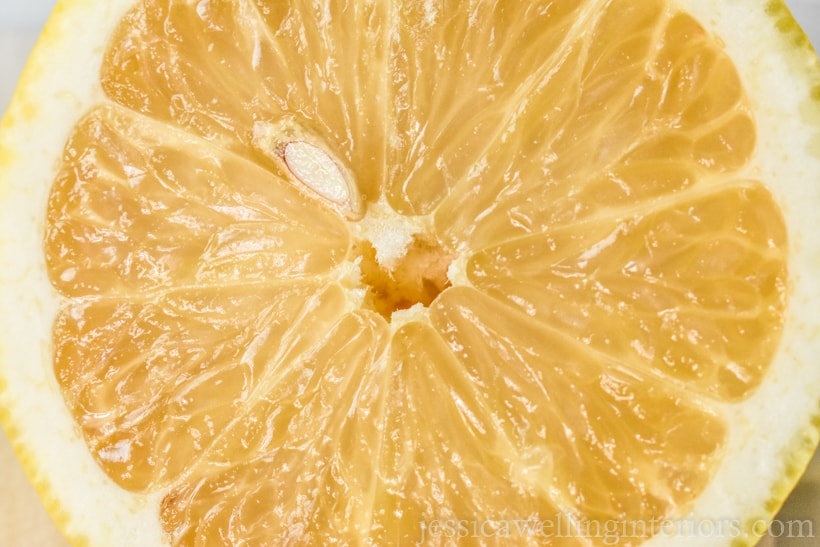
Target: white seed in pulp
(316,170)
(307,160)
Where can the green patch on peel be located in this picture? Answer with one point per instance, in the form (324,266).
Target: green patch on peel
(799,453)
(785,23)
(773,7)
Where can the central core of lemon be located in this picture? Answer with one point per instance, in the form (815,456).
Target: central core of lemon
(417,277)
(400,259)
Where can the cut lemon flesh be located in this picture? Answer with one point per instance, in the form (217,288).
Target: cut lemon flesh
(399,272)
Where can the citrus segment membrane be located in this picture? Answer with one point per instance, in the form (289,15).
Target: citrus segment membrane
(159,382)
(316,426)
(589,270)
(657,111)
(139,207)
(216,68)
(576,425)
(693,289)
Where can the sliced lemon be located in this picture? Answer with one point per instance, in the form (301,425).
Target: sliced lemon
(397,272)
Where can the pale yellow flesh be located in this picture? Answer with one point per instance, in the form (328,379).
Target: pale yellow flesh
(622,282)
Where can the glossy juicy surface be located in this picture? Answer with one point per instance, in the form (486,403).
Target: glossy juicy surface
(622,274)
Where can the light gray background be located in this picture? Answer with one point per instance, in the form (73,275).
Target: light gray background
(21,516)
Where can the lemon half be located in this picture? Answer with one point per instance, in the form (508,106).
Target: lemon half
(397,272)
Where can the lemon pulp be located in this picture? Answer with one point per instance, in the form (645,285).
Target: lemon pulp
(583,163)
